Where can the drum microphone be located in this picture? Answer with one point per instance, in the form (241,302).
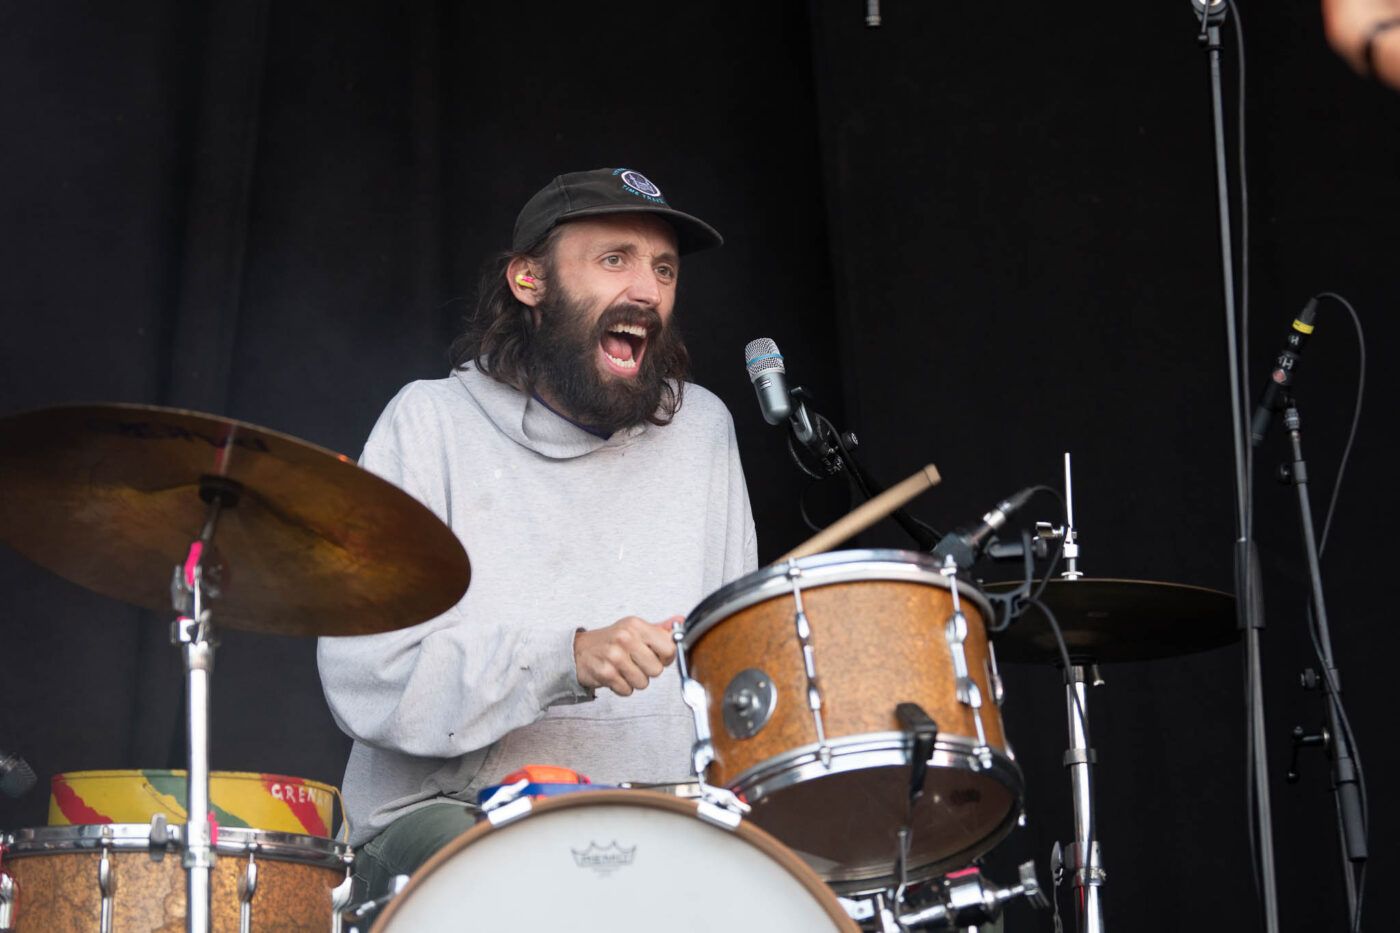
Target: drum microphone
(779,404)
(965,546)
(1281,378)
(16,777)
(769,378)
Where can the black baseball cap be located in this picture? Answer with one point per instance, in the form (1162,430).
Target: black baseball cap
(605,191)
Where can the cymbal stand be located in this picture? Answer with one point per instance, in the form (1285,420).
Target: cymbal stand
(1083,857)
(1084,860)
(193,631)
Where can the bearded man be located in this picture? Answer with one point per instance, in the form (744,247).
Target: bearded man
(596,509)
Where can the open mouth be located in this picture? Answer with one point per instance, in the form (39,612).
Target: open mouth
(623,346)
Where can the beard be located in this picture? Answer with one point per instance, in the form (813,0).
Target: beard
(565,352)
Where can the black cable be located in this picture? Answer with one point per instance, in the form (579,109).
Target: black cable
(802,508)
(1355,417)
(1335,688)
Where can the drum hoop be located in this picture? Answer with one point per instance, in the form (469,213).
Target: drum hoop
(746,830)
(883,749)
(233,841)
(827,569)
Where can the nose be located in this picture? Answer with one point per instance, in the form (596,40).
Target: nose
(644,288)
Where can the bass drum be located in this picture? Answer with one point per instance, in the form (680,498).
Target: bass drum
(614,860)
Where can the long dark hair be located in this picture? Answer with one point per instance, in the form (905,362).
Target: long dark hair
(498,337)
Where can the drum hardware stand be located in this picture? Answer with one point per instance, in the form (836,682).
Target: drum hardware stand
(1067,533)
(1211,15)
(1333,738)
(966,900)
(341,896)
(1083,858)
(368,909)
(193,630)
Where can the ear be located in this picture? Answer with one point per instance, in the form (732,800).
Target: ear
(520,266)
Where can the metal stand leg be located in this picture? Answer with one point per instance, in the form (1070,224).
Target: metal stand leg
(1083,858)
(193,631)
(198,647)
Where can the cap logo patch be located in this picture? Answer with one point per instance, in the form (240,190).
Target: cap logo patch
(640,185)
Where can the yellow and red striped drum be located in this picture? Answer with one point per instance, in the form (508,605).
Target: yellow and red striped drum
(237,799)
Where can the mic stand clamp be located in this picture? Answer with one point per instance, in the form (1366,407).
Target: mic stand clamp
(808,432)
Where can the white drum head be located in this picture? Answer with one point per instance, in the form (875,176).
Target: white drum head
(613,861)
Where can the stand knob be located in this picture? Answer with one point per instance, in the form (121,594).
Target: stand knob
(1303,739)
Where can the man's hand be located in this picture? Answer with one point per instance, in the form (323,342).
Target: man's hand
(1350,22)
(626,655)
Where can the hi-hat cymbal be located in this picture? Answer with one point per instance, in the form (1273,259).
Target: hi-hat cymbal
(108,496)
(1119,620)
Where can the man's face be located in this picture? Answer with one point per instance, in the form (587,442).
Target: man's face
(605,319)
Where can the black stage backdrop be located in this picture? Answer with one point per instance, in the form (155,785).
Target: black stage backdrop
(982,238)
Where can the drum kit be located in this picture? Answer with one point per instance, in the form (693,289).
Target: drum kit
(850,765)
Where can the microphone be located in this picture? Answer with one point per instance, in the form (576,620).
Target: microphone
(965,546)
(16,777)
(1281,378)
(769,378)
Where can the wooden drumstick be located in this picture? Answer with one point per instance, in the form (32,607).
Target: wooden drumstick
(866,515)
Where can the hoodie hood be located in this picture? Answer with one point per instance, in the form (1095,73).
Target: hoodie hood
(530,423)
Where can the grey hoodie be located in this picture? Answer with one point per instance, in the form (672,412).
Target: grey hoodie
(565,531)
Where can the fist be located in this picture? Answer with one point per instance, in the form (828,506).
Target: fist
(625,656)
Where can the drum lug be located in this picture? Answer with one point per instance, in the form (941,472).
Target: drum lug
(693,694)
(749,701)
(247,887)
(9,894)
(107,885)
(809,662)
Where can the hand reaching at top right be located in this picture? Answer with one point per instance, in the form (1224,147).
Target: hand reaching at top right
(1350,24)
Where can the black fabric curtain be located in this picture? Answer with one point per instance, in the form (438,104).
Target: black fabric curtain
(981,238)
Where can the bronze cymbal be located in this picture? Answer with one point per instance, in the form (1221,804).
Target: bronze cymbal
(1108,620)
(108,496)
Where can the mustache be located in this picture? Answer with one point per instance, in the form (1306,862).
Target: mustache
(628,313)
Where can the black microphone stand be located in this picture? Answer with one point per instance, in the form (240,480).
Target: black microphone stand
(833,451)
(1247,589)
(1351,819)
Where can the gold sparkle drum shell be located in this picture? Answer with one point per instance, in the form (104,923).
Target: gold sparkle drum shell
(70,877)
(878,633)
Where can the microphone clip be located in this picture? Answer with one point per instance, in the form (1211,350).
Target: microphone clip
(823,447)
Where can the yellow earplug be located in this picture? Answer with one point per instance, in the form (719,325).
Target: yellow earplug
(525,281)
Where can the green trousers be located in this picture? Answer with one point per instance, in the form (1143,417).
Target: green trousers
(406,844)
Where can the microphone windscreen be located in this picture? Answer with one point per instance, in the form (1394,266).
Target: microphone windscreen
(18,778)
(761,356)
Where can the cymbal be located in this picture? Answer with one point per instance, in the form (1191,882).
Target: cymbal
(1106,620)
(108,496)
